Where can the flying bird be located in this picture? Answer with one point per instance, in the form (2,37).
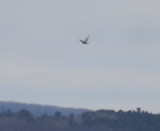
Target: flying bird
(85,41)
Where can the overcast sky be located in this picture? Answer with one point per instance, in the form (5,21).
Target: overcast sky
(42,60)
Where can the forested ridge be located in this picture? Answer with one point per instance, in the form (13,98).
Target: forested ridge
(101,120)
(38,109)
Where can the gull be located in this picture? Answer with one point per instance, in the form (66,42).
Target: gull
(85,41)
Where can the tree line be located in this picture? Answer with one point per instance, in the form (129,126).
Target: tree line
(100,120)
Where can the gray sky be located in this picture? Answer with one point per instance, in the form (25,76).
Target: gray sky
(42,60)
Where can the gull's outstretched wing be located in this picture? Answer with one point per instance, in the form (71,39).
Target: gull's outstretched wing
(86,40)
(81,41)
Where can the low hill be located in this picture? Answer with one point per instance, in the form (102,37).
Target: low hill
(100,120)
(37,109)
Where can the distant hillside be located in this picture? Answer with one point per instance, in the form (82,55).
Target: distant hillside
(38,110)
(101,120)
